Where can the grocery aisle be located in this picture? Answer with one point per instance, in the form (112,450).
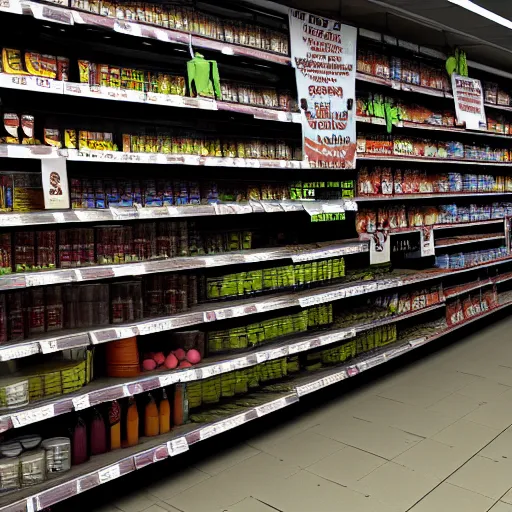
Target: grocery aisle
(431,435)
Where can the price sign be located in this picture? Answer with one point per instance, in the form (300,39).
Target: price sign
(110,473)
(263,410)
(177,446)
(168,380)
(133,269)
(222,426)
(49,346)
(17,352)
(21,419)
(81,402)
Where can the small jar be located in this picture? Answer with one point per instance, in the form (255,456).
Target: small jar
(58,454)
(9,473)
(33,468)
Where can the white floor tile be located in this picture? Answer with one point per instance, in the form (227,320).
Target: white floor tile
(508,497)
(167,488)
(305,492)
(449,498)
(304,449)
(221,461)
(135,503)
(375,438)
(466,434)
(456,405)
(433,458)
(415,394)
(249,505)
(501,507)
(484,390)
(496,415)
(396,485)
(485,476)
(346,466)
(234,484)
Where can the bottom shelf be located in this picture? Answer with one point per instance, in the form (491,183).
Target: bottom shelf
(103,468)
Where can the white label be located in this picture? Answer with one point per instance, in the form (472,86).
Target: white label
(469,102)
(168,380)
(277,353)
(41,279)
(54,175)
(13,6)
(7,354)
(261,357)
(134,269)
(110,473)
(81,402)
(300,347)
(327,339)
(187,376)
(265,409)
(161,35)
(417,342)
(177,446)
(322,298)
(30,505)
(222,426)
(49,346)
(21,419)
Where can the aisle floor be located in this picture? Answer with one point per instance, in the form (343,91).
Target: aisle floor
(432,436)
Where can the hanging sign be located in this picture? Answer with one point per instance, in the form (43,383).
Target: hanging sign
(324,55)
(469,102)
(427,241)
(55,183)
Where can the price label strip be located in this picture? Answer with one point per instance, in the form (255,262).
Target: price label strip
(177,446)
(222,426)
(311,387)
(110,473)
(263,410)
(81,402)
(21,419)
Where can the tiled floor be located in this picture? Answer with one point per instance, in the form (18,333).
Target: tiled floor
(434,435)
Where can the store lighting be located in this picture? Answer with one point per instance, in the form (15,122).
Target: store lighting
(485,13)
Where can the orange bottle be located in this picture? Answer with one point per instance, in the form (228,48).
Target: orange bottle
(164,414)
(180,408)
(132,423)
(114,417)
(151,418)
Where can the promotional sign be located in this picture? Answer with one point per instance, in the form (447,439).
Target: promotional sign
(427,247)
(324,55)
(469,102)
(55,183)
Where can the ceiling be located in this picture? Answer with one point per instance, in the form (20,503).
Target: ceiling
(436,23)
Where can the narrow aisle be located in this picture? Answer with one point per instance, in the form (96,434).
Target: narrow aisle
(432,435)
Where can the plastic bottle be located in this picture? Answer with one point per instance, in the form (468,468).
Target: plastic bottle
(164,414)
(132,423)
(151,418)
(180,405)
(114,417)
(98,433)
(79,443)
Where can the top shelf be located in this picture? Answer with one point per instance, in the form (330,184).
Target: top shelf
(68,16)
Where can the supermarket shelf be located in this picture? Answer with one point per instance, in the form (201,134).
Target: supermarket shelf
(436,227)
(119,214)
(47,85)
(89,155)
(220,311)
(503,278)
(298,253)
(440,195)
(394,158)
(104,468)
(468,241)
(379,121)
(455,291)
(67,16)
(104,390)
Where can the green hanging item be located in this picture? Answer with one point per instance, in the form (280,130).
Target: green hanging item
(203,77)
(457,64)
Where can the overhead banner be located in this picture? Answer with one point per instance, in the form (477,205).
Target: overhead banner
(324,55)
(469,102)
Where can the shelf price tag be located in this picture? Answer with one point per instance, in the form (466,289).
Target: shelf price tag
(49,346)
(263,410)
(110,473)
(81,402)
(222,426)
(30,505)
(21,419)
(177,446)
(17,352)
(12,6)
(168,380)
